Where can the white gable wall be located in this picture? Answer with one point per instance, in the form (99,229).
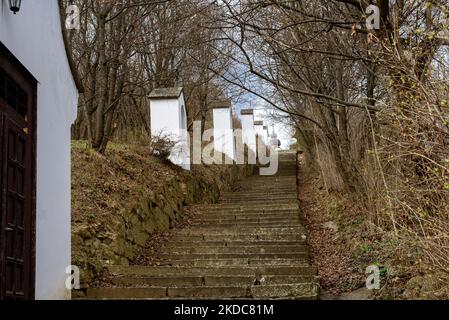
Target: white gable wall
(34,36)
(249,133)
(259,131)
(223,133)
(266,136)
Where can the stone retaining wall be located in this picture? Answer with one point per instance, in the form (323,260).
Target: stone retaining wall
(97,245)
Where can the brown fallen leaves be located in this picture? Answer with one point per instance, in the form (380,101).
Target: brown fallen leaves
(331,254)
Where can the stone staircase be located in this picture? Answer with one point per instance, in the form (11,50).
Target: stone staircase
(249,245)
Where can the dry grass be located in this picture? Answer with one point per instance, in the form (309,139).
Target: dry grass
(102,185)
(342,255)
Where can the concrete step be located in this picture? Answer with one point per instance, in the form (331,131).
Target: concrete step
(291,205)
(232,244)
(298,291)
(241,230)
(239,237)
(257,219)
(263,198)
(259,193)
(250,214)
(265,188)
(173,257)
(236,224)
(249,201)
(228,280)
(243,249)
(235,262)
(159,271)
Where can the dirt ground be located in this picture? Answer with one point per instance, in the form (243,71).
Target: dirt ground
(331,253)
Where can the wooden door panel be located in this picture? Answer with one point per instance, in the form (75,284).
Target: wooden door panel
(17,222)
(17,179)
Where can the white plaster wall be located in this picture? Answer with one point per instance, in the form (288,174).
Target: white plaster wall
(267,136)
(166,119)
(184,152)
(223,133)
(259,131)
(34,36)
(249,133)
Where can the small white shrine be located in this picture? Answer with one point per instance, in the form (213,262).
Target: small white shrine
(223,132)
(266,135)
(169,120)
(258,127)
(249,133)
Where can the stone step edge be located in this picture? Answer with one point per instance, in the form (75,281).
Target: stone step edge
(250,291)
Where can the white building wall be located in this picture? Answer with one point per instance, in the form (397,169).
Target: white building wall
(169,119)
(223,133)
(266,136)
(249,133)
(34,36)
(259,131)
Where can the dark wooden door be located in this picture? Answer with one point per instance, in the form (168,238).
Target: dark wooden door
(17,179)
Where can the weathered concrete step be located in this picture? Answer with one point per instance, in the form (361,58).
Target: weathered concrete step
(234,244)
(262,192)
(286,173)
(238,225)
(239,234)
(261,197)
(254,206)
(249,201)
(250,214)
(289,171)
(257,181)
(292,219)
(144,271)
(269,192)
(173,257)
(247,221)
(266,188)
(245,249)
(260,213)
(303,290)
(248,210)
(240,237)
(257,177)
(231,280)
(242,230)
(235,262)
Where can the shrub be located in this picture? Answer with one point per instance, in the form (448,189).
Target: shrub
(162,145)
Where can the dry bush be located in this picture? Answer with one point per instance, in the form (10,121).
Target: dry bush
(162,145)
(331,179)
(409,171)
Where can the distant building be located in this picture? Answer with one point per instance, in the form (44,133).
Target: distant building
(224,141)
(274,141)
